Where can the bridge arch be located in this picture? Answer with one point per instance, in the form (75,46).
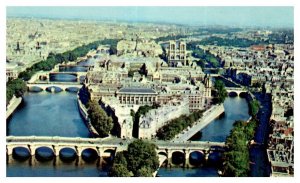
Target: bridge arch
(72,89)
(21,153)
(9,149)
(163,153)
(90,154)
(243,94)
(215,157)
(232,94)
(178,157)
(44,153)
(54,89)
(108,154)
(35,89)
(196,158)
(67,154)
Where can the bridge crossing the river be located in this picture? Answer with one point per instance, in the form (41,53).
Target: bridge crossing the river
(57,143)
(48,85)
(109,146)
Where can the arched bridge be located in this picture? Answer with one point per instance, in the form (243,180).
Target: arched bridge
(107,146)
(236,91)
(49,85)
(76,74)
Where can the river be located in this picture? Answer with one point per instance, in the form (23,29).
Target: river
(45,113)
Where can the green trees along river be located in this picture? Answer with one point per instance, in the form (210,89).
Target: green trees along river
(99,119)
(140,160)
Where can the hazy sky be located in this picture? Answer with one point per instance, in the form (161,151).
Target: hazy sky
(234,16)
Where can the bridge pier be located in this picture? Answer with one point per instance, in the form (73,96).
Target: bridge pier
(56,150)
(169,153)
(78,161)
(32,161)
(78,151)
(56,161)
(206,155)
(32,149)
(100,151)
(169,157)
(9,159)
(187,159)
(9,151)
(99,162)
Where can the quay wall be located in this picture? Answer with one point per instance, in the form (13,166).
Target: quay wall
(13,104)
(208,116)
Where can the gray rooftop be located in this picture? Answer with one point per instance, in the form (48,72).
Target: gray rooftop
(137,90)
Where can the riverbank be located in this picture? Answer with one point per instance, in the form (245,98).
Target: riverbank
(84,115)
(13,105)
(208,116)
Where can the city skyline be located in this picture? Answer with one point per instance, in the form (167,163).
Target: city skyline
(124,92)
(275,17)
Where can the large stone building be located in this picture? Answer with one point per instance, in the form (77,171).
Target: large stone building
(176,53)
(138,96)
(156,118)
(123,84)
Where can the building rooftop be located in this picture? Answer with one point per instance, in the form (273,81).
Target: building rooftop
(137,90)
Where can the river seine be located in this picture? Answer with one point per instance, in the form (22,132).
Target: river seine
(56,114)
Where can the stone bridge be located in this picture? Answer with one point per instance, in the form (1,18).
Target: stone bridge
(76,74)
(50,86)
(107,147)
(236,91)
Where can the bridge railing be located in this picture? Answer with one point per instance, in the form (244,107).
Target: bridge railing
(235,89)
(107,141)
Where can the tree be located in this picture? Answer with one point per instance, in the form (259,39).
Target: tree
(142,154)
(15,87)
(175,126)
(72,56)
(121,158)
(140,160)
(18,86)
(221,92)
(144,172)
(99,119)
(119,170)
(254,107)
(237,158)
